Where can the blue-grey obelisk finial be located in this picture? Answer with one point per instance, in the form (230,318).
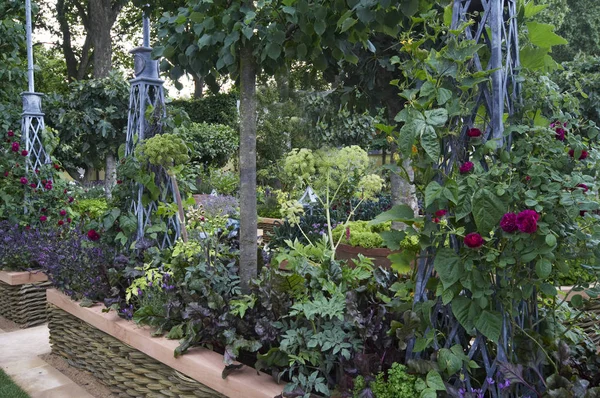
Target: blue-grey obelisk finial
(32,120)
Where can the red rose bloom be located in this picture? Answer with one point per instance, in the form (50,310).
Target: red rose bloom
(6,173)
(71,199)
(57,167)
(24,153)
(119,182)
(15,147)
(93,235)
(63,213)
(11,133)
(32,185)
(583,186)
(466,167)
(43,218)
(60,222)
(436,220)
(527,221)
(473,240)
(441,213)
(69,220)
(474,133)
(584,154)
(508,223)
(24,180)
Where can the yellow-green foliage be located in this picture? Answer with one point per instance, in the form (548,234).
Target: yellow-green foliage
(167,150)
(361,234)
(93,208)
(332,168)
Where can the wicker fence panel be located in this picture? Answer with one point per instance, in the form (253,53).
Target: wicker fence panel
(24,304)
(126,371)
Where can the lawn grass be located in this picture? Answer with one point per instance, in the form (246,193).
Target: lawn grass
(9,389)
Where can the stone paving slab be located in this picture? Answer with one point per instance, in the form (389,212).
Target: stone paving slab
(19,352)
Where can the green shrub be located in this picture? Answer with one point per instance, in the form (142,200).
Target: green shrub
(225,182)
(361,234)
(211,144)
(93,208)
(214,109)
(398,384)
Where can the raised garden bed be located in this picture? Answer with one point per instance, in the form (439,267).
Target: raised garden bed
(267,225)
(132,363)
(23,297)
(378,255)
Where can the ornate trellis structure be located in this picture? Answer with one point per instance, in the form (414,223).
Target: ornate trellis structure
(496,27)
(147,92)
(32,120)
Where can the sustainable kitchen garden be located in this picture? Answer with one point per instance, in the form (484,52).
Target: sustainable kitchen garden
(470,305)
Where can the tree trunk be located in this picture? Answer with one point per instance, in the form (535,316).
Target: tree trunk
(198,86)
(101,22)
(248,215)
(110,174)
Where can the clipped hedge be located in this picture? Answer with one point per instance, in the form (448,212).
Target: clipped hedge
(212,109)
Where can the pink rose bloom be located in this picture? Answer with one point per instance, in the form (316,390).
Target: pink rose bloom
(527,221)
(24,180)
(441,213)
(43,218)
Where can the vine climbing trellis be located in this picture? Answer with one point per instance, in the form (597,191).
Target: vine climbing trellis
(493,24)
(147,93)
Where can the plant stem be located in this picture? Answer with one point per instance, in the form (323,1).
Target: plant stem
(184,235)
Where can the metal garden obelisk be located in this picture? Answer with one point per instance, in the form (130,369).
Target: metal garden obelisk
(147,92)
(32,120)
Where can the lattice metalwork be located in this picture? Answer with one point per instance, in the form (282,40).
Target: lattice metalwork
(32,118)
(147,93)
(496,27)
(32,128)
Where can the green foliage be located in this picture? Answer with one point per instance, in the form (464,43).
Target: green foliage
(225,182)
(398,384)
(210,144)
(91,119)
(13,63)
(361,233)
(166,150)
(91,208)
(211,109)
(581,28)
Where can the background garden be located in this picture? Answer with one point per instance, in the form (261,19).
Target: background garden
(416,249)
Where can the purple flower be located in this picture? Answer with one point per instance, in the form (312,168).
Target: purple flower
(527,221)
(473,240)
(466,167)
(508,223)
(504,384)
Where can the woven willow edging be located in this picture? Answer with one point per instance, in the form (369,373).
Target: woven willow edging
(89,336)
(126,371)
(24,304)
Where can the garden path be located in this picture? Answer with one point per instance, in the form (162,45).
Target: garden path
(19,352)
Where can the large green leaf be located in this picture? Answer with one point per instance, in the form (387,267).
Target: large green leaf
(433,191)
(409,7)
(490,325)
(402,213)
(448,266)
(406,139)
(436,117)
(429,142)
(488,209)
(542,35)
(464,311)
